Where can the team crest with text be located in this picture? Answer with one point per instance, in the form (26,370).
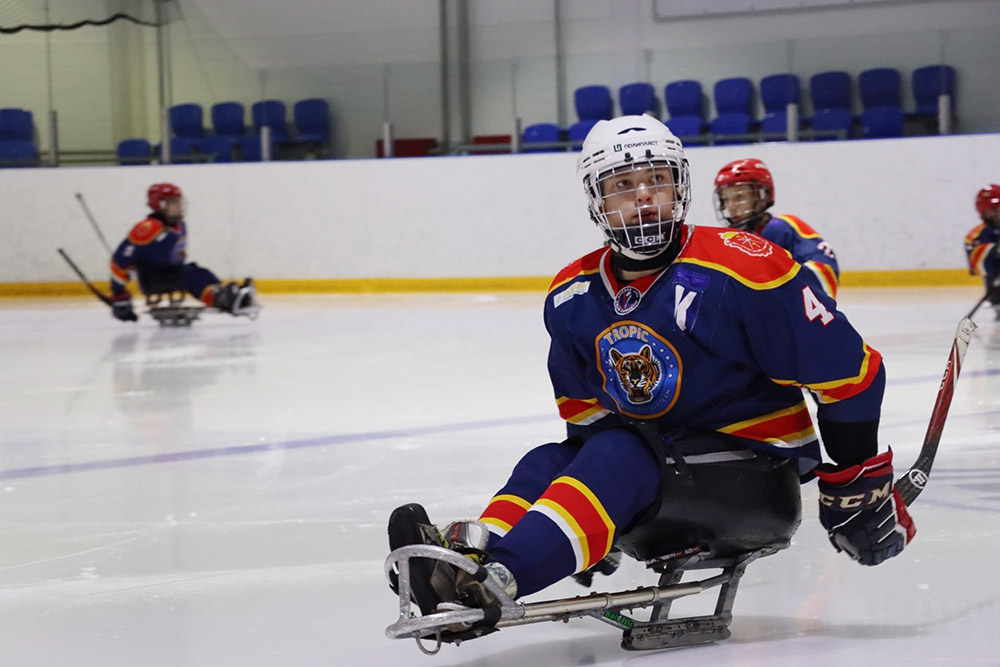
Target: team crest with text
(751,244)
(641,370)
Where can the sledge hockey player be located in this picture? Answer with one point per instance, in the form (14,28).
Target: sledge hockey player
(156,250)
(982,243)
(677,355)
(744,191)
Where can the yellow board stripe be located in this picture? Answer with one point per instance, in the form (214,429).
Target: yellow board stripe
(746,281)
(901,278)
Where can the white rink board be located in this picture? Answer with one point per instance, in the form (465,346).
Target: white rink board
(885,204)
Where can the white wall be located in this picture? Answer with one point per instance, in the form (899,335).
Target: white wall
(889,204)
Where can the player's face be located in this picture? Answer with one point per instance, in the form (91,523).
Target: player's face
(740,201)
(992,216)
(173,208)
(641,194)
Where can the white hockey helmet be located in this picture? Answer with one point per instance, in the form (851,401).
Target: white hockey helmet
(628,144)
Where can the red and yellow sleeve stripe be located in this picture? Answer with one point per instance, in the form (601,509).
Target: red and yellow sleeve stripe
(581,517)
(978,256)
(118,274)
(827,277)
(587,265)
(580,411)
(800,227)
(503,512)
(839,390)
(790,427)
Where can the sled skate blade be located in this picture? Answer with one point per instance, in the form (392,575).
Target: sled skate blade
(674,634)
(175,316)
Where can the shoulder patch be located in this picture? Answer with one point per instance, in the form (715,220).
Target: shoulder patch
(586,265)
(145,232)
(973,235)
(746,257)
(800,227)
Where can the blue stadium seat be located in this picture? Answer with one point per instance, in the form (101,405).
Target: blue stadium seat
(250,148)
(182,148)
(685,126)
(312,121)
(683,98)
(636,99)
(220,148)
(227,120)
(541,133)
(16,153)
(830,90)
(730,124)
(777,91)
(134,151)
(833,119)
(578,131)
(882,122)
(272,114)
(733,96)
(930,82)
(879,88)
(16,125)
(774,123)
(186,120)
(593,103)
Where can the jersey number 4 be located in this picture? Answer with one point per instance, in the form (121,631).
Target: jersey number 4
(815,308)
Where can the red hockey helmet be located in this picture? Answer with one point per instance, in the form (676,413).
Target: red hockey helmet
(159,193)
(988,199)
(747,171)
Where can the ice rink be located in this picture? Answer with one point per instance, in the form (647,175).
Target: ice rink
(218,495)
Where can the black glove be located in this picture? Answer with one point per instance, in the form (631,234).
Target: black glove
(121,307)
(862,511)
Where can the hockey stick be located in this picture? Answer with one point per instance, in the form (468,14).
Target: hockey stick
(912,482)
(86,282)
(989,291)
(93,223)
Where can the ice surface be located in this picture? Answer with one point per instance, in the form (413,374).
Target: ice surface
(218,495)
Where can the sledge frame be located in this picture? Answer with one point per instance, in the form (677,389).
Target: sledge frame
(658,632)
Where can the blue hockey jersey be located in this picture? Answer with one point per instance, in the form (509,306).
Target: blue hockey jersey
(982,247)
(722,340)
(150,244)
(807,248)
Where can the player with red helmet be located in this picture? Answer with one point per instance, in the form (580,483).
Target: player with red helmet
(982,243)
(155,250)
(744,193)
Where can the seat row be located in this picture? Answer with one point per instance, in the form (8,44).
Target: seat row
(230,138)
(829,92)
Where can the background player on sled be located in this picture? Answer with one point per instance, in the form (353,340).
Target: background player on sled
(156,250)
(677,355)
(744,194)
(982,243)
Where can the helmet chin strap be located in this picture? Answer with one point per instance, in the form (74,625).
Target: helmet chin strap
(754,222)
(621,262)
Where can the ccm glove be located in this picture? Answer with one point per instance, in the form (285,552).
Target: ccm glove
(862,511)
(121,307)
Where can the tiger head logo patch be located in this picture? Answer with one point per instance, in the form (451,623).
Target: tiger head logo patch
(641,369)
(638,373)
